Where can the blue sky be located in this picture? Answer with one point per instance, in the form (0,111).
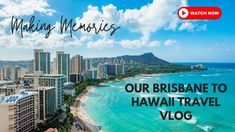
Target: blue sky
(186,41)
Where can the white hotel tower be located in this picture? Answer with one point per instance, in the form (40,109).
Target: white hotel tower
(18,112)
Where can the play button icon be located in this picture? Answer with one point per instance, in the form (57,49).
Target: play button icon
(199,13)
(183,13)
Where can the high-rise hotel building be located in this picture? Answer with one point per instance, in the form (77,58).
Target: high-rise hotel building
(102,71)
(115,69)
(76,64)
(63,64)
(109,70)
(87,64)
(76,69)
(18,112)
(38,79)
(46,97)
(46,102)
(42,61)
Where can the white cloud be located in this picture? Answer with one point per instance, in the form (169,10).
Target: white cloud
(109,14)
(100,43)
(132,44)
(37,40)
(24,7)
(170,42)
(154,44)
(160,14)
(138,43)
(4,24)
(187,26)
(152,17)
(202,27)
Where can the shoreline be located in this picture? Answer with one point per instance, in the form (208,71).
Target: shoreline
(79,108)
(79,111)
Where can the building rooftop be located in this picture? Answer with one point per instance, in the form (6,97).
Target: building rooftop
(6,83)
(46,88)
(44,75)
(16,97)
(13,86)
(68,85)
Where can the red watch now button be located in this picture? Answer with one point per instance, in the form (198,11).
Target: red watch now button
(199,13)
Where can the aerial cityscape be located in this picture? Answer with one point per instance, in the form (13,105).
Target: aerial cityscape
(111,66)
(41,92)
(34,94)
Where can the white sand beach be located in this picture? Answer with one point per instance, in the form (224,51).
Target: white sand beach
(79,110)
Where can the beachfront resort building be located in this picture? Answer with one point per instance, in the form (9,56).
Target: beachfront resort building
(115,69)
(86,64)
(109,70)
(46,98)
(102,71)
(76,78)
(38,79)
(18,112)
(46,101)
(90,74)
(69,88)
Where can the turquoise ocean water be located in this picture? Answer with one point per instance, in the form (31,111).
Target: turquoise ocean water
(110,106)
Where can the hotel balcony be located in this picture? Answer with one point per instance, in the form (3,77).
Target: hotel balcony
(11,117)
(10,108)
(11,128)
